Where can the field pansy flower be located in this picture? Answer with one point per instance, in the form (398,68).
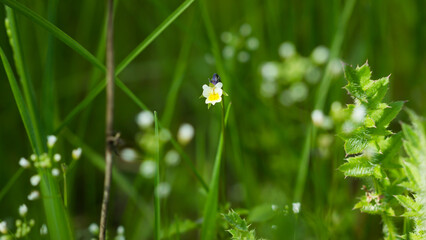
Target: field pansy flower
(213,92)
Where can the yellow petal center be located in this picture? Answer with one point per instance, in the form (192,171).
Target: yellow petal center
(213,96)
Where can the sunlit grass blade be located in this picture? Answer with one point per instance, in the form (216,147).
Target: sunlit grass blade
(20,102)
(27,86)
(208,230)
(172,17)
(157,210)
(56,215)
(55,31)
(10,183)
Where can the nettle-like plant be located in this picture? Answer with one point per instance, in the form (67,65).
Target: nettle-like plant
(415,169)
(372,150)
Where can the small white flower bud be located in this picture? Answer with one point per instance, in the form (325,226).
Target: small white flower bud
(35,180)
(23,210)
(33,157)
(57,157)
(55,172)
(145,119)
(128,155)
(163,190)
(147,169)
(320,55)
(24,163)
(245,29)
(120,230)
(94,229)
(43,230)
(185,133)
(269,71)
(172,158)
(252,43)
(287,50)
(296,207)
(3,227)
(51,140)
(317,118)
(76,153)
(34,195)
(274,207)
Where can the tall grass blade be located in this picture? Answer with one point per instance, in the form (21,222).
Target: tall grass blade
(56,216)
(157,215)
(171,18)
(208,230)
(55,31)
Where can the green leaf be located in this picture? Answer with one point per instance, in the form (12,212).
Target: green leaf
(356,143)
(408,203)
(361,167)
(357,79)
(389,114)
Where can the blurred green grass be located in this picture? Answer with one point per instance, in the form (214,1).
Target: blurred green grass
(268,138)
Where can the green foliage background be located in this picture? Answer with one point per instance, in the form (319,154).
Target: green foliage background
(264,141)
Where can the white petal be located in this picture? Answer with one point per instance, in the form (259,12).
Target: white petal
(218,91)
(207,90)
(218,85)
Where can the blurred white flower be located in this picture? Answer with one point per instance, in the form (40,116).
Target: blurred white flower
(296,207)
(243,56)
(55,172)
(94,229)
(164,135)
(358,114)
(268,89)
(313,75)
(120,230)
(51,140)
(209,59)
(147,168)
(274,226)
(274,207)
(186,132)
(76,153)
(245,29)
(35,180)
(252,43)
(23,210)
(24,163)
(287,50)
(145,119)
(317,117)
(226,37)
(57,157)
(172,158)
(163,190)
(213,94)
(228,52)
(128,155)
(33,157)
(269,71)
(43,230)
(335,67)
(320,55)
(34,195)
(3,227)
(286,98)
(348,127)
(298,91)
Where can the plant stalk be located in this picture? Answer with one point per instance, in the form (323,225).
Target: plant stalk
(110,142)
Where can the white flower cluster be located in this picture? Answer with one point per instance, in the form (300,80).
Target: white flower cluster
(290,78)
(22,226)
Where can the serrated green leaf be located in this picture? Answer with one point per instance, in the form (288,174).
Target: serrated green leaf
(413,175)
(390,148)
(369,122)
(389,114)
(408,203)
(360,167)
(370,207)
(355,144)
